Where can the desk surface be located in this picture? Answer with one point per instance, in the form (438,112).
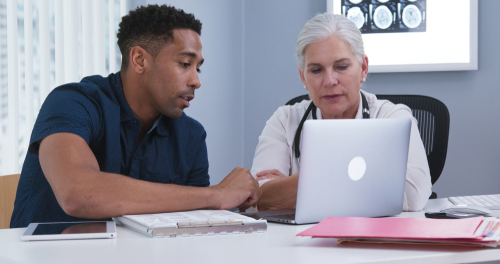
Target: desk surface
(278,245)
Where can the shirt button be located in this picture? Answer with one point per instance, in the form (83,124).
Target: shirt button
(171,181)
(136,123)
(136,156)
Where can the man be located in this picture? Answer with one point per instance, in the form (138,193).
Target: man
(122,145)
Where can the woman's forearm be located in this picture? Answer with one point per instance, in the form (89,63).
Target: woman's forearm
(279,194)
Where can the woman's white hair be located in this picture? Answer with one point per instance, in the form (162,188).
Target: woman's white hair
(323,26)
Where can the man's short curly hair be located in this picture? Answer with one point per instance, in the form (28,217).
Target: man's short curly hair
(151,27)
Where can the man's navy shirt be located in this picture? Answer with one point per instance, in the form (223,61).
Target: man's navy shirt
(173,151)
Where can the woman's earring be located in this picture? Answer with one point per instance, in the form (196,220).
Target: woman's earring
(363,80)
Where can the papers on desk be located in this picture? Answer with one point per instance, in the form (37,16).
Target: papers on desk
(191,223)
(467,231)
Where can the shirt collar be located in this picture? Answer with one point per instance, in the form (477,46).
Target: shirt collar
(155,124)
(162,125)
(126,113)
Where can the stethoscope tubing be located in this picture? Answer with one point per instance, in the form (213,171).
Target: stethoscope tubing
(313,108)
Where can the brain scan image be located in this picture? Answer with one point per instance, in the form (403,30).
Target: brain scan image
(412,17)
(356,15)
(386,16)
(382,17)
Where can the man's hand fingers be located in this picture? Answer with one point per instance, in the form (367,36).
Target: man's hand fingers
(239,189)
(243,208)
(247,204)
(254,197)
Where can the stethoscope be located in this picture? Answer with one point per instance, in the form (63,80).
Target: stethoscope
(312,107)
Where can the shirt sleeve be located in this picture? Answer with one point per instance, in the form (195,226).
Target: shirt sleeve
(66,110)
(418,178)
(273,150)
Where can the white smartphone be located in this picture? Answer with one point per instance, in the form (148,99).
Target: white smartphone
(69,230)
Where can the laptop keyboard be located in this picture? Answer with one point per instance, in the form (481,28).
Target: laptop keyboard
(491,201)
(285,216)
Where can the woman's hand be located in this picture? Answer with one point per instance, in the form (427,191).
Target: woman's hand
(270,175)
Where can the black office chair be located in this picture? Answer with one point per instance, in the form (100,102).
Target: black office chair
(433,123)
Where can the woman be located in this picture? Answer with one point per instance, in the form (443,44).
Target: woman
(332,67)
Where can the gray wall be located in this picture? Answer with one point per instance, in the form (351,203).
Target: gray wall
(271,73)
(473,160)
(271,78)
(218,103)
(251,70)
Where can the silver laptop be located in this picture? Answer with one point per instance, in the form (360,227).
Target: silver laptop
(349,168)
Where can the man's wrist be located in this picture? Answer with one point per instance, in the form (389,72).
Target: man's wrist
(214,197)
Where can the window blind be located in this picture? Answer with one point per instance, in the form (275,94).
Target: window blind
(49,43)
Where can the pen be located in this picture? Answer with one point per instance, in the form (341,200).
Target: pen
(488,228)
(494,229)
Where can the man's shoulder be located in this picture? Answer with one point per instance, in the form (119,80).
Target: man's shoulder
(92,87)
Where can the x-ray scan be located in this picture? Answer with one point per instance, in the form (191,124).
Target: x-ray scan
(386,16)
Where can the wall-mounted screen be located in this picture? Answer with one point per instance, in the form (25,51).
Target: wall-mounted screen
(415,35)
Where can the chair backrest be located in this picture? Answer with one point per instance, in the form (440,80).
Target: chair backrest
(433,123)
(434,126)
(8,188)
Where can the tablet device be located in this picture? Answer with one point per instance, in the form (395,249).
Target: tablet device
(69,230)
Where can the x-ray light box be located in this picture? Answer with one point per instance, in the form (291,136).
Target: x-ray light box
(415,35)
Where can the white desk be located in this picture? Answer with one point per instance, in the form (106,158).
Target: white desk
(278,245)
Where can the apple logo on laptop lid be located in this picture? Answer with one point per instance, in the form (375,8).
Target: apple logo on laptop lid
(356,168)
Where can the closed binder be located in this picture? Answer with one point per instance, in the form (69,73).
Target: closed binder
(191,223)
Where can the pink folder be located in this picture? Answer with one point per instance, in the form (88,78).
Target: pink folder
(396,228)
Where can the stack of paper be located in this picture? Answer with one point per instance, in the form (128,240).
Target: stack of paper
(468,231)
